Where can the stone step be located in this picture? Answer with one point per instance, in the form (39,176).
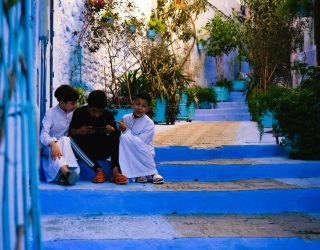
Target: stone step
(182,153)
(219,243)
(217,111)
(230,172)
(225,169)
(273,231)
(231,105)
(246,196)
(225,117)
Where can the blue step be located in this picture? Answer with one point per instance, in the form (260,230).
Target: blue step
(229,111)
(218,243)
(226,117)
(137,199)
(231,105)
(182,153)
(230,172)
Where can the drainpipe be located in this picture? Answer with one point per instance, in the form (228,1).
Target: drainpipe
(43,37)
(51,50)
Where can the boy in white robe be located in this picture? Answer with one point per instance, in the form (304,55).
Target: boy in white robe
(136,151)
(61,165)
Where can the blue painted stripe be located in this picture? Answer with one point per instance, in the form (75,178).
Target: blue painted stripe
(92,201)
(78,151)
(229,172)
(222,243)
(181,153)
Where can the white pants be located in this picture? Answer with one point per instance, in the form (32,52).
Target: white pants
(52,167)
(135,157)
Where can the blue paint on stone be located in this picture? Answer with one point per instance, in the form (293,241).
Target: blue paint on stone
(230,172)
(181,153)
(84,201)
(221,243)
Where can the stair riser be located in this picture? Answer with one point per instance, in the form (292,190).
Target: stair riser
(226,172)
(221,243)
(180,153)
(55,202)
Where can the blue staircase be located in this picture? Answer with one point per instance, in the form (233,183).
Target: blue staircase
(234,110)
(233,197)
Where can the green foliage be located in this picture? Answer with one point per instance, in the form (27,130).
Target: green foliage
(260,103)
(223,82)
(206,94)
(179,18)
(271,35)
(82,95)
(131,84)
(191,92)
(157,25)
(297,113)
(223,36)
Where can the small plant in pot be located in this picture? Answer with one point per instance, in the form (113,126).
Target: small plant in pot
(155,26)
(109,17)
(201,44)
(223,82)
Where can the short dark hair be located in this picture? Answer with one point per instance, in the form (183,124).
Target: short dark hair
(66,93)
(144,96)
(97,99)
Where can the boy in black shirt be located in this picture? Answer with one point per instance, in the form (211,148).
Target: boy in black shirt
(94,130)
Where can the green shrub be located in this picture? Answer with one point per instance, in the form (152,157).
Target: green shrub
(206,95)
(298,115)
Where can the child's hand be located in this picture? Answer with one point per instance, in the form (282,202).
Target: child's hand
(110,129)
(55,151)
(85,130)
(122,126)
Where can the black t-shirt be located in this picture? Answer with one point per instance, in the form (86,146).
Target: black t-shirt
(81,117)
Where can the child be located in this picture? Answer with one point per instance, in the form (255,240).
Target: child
(93,131)
(62,166)
(136,152)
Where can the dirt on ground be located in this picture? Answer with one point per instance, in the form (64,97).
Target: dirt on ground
(199,135)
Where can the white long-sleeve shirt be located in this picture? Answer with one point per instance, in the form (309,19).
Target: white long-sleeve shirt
(55,124)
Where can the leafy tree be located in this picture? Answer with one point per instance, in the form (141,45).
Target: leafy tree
(223,38)
(271,35)
(179,17)
(106,31)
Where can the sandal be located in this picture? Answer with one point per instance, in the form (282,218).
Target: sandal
(120,179)
(100,177)
(141,179)
(157,179)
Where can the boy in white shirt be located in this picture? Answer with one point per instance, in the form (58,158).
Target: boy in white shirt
(136,151)
(61,165)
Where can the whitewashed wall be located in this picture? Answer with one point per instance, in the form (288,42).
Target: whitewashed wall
(68,18)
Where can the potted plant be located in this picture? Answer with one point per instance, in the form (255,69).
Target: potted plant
(154,26)
(222,88)
(201,44)
(207,98)
(133,24)
(107,16)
